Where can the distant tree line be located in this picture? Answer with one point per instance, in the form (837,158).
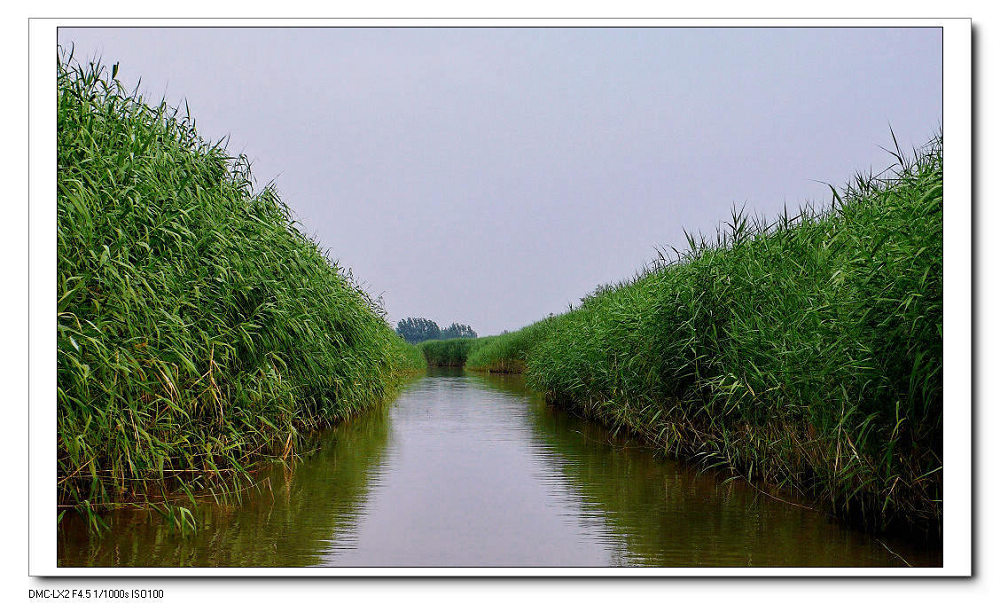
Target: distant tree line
(415,330)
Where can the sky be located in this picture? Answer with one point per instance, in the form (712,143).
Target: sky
(494,176)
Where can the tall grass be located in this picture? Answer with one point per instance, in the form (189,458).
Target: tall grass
(508,353)
(199,331)
(501,354)
(804,351)
(289,524)
(448,353)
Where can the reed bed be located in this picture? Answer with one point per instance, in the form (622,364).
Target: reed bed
(447,353)
(804,352)
(200,332)
(501,354)
(508,353)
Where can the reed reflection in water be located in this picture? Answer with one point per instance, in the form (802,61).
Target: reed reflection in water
(468,470)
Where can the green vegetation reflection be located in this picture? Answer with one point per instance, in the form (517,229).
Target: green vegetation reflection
(671,514)
(289,520)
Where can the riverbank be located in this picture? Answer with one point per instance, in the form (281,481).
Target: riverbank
(451,353)
(465,469)
(200,333)
(804,352)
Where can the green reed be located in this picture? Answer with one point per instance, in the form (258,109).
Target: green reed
(507,353)
(805,351)
(200,332)
(448,353)
(501,354)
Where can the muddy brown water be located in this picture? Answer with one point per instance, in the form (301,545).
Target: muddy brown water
(469,470)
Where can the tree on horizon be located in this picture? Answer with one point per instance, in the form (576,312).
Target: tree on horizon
(417,329)
(458,330)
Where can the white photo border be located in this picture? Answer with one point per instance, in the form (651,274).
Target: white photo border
(958,402)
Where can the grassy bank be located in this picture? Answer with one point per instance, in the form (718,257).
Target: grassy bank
(804,352)
(501,354)
(200,333)
(447,353)
(508,353)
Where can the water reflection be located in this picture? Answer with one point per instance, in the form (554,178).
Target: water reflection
(288,523)
(462,486)
(469,470)
(669,514)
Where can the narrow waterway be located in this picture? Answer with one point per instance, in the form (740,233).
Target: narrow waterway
(467,470)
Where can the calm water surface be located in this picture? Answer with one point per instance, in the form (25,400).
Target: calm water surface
(465,470)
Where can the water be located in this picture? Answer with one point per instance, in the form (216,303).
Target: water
(465,470)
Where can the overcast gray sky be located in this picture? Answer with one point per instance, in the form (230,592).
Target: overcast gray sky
(492,176)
